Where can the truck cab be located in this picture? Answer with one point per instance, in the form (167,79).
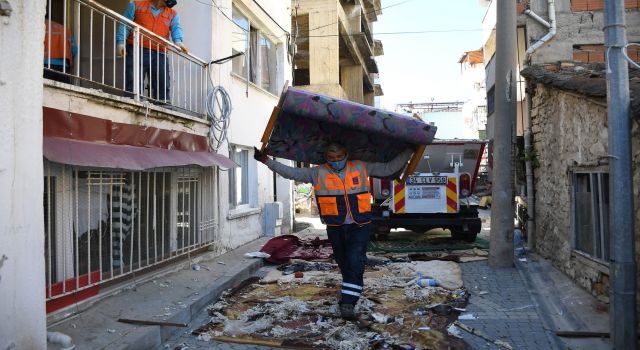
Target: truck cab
(438,194)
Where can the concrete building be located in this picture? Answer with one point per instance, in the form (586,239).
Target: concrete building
(335,48)
(489,50)
(473,75)
(474,109)
(22,267)
(135,176)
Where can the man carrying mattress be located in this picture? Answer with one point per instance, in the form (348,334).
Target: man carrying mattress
(341,188)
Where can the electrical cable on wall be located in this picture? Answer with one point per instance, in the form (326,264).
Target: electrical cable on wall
(218,107)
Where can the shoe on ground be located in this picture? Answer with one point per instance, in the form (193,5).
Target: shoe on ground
(347,312)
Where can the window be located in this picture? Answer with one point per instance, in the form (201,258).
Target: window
(240,42)
(259,51)
(491,102)
(239,177)
(101,224)
(591,213)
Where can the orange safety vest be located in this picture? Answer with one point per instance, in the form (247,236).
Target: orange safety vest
(337,199)
(57,48)
(160,25)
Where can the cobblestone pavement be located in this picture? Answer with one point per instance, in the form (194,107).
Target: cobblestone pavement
(503,307)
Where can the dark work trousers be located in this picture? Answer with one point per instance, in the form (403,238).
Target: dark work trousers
(349,243)
(52,73)
(153,66)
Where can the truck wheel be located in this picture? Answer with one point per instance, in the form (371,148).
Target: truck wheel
(464,236)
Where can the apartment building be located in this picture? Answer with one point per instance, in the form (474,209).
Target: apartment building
(140,160)
(335,49)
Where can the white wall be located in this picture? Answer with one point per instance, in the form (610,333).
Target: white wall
(22,308)
(252,108)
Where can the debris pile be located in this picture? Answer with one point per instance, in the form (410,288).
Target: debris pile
(396,311)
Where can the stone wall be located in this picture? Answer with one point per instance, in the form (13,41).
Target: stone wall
(570,133)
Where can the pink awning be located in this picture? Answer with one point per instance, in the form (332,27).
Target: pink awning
(91,154)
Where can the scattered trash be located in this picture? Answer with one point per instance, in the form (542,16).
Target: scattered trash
(478,333)
(60,338)
(467,317)
(404,347)
(111,330)
(426,281)
(523,259)
(420,312)
(222,263)
(298,274)
(305,266)
(195,267)
(381,318)
(483,292)
(257,255)
(454,331)
(425,328)
(441,309)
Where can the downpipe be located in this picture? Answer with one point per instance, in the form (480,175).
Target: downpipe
(552,26)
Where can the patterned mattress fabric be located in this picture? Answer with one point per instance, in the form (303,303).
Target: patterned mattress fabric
(308,122)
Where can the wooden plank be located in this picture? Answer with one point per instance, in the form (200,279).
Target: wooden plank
(413,164)
(152,323)
(270,125)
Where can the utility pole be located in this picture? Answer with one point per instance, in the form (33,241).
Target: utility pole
(622,267)
(501,249)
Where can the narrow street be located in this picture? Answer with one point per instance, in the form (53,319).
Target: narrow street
(319,174)
(503,305)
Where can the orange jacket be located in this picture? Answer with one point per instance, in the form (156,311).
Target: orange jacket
(58,48)
(337,199)
(160,25)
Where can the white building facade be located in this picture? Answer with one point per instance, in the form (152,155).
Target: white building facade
(132,178)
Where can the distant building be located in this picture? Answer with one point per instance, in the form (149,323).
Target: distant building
(335,48)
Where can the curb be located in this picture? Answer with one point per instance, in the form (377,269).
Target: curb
(153,336)
(542,309)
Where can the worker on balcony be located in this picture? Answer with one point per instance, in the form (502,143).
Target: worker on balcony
(159,17)
(59,51)
(341,188)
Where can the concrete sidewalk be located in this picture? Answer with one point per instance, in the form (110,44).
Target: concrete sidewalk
(176,296)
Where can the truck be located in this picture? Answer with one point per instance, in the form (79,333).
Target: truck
(438,194)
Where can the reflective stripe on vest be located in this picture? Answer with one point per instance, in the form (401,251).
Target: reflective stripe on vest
(337,199)
(160,25)
(57,48)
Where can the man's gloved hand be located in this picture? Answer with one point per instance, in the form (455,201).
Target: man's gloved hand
(183,48)
(120,50)
(259,155)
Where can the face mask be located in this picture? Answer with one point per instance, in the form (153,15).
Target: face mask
(170,3)
(339,165)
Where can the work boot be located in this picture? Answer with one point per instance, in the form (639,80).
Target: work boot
(347,312)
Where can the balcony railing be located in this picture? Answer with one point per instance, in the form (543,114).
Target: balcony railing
(81,49)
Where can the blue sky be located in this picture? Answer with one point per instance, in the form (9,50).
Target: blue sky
(419,67)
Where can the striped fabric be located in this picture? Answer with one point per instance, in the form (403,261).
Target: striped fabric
(122,219)
(352,289)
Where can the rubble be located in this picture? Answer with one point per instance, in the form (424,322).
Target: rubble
(394,312)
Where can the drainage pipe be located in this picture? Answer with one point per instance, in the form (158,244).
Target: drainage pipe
(528,148)
(551,8)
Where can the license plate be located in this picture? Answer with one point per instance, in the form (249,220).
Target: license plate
(427,180)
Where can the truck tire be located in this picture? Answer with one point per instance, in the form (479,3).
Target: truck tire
(464,236)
